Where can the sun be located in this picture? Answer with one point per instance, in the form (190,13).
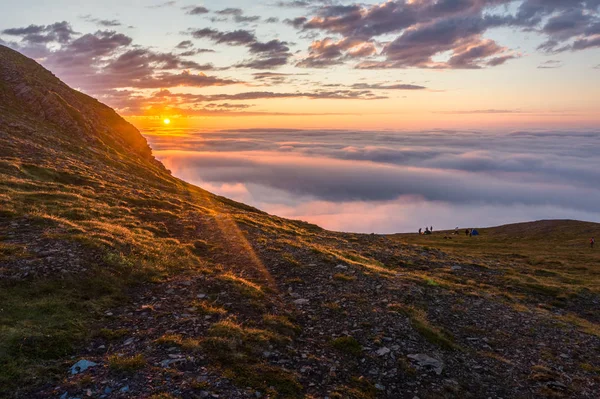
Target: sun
(166,121)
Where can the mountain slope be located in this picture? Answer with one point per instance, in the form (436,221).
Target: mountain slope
(171,290)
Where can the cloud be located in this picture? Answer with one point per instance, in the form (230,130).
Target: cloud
(186,44)
(199,10)
(385,181)
(550,64)
(427,30)
(163,5)
(107,23)
(267,55)
(387,86)
(255,95)
(106,62)
(327,52)
(237,14)
(60,32)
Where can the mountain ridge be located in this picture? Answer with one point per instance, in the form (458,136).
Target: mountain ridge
(173,292)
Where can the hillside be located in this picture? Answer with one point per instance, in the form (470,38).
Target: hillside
(173,292)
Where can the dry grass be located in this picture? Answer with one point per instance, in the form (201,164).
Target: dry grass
(126,364)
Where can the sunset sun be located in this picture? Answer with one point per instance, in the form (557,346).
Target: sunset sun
(166,121)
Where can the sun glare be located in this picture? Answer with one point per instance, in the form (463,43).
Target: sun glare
(166,121)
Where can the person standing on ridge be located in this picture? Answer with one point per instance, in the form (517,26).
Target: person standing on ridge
(420,231)
(592,242)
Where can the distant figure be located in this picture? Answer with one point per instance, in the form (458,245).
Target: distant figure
(420,231)
(467,232)
(456,231)
(592,242)
(431,229)
(427,231)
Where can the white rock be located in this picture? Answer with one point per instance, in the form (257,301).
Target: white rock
(383,351)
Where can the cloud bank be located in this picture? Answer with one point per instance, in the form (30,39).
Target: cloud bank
(389,182)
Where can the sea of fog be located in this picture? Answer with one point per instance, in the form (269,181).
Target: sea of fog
(387,182)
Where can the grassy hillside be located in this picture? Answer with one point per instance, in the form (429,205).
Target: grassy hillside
(549,260)
(174,292)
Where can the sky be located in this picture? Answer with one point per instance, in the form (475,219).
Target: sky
(323,64)
(373,116)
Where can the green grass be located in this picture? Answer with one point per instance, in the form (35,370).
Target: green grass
(430,332)
(546,264)
(347,345)
(44,321)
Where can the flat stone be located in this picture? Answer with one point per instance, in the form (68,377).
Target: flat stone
(81,366)
(427,362)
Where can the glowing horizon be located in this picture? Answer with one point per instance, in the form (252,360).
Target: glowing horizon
(311,65)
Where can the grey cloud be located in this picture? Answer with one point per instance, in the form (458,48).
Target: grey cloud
(171,3)
(185,44)
(268,55)
(383,86)
(107,23)
(60,32)
(238,15)
(199,10)
(106,60)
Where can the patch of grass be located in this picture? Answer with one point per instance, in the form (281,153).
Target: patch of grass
(237,349)
(343,277)
(281,325)
(11,250)
(112,335)
(178,340)
(584,325)
(347,345)
(431,333)
(163,396)
(543,289)
(229,342)
(590,368)
(43,321)
(541,373)
(276,382)
(206,308)
(245,287)
(289,258)
(126,364)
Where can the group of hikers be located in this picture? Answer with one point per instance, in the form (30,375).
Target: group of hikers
(428,231)
(468,232)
